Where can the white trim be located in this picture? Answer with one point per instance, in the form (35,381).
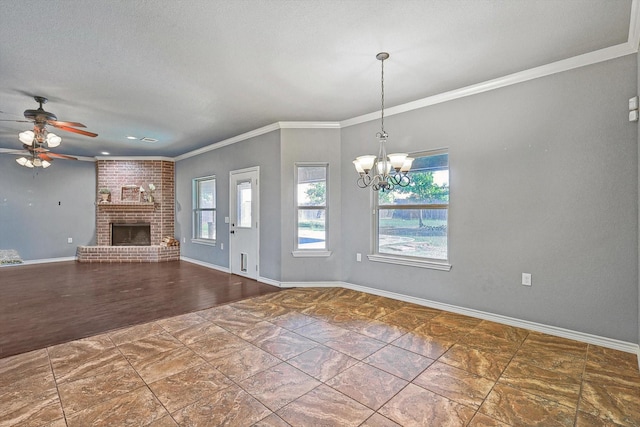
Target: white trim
(204,242)
(85,159)
(309,125)
(204,264)
(255,173)
(166,159)
(590,58)
(410,262)
(311,253)
(268,281)
(42,261)
(634,27)
(525,324)
(625,346)
(311,284)
(224,143)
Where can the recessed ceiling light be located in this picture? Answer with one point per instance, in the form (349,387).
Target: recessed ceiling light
(131,137)
(105,153)
(147,139)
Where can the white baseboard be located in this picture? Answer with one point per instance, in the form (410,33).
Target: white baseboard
(41,261)
(311,284)
(625,346)
(205,264)
(268,281)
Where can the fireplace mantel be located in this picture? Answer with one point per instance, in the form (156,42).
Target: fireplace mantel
(129,206)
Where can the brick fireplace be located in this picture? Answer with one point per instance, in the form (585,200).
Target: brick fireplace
(127,205)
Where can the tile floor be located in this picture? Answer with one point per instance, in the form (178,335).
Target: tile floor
(320,357)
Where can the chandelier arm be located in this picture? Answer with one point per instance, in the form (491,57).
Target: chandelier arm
(364,181)
(404,180)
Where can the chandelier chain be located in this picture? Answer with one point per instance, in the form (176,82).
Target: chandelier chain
(382,97)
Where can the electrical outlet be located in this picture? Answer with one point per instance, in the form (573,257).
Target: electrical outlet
(184,240)
(526,279)
(222,246)
(69,240)
(359,257)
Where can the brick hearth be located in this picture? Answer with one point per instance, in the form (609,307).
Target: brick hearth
(128,253)
(120,176)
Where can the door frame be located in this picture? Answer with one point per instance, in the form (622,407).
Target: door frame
(255,214)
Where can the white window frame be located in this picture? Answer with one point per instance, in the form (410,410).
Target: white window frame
(300,252)
(431,263)
(195,232)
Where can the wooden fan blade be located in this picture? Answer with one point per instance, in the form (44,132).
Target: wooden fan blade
(43,156)
(37,149)
(58,123)
(17,152)
(17,121)
(61,156)
(74,130)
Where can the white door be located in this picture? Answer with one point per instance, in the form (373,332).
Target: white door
(244,206)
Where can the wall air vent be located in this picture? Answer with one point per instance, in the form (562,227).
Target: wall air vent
(147,139)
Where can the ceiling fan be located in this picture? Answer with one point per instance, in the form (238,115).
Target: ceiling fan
(34,141)
(38,157)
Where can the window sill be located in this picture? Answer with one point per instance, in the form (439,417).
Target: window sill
(311,254)
(411,262)
(204,242)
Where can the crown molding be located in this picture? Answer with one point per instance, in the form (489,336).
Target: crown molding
(590,58)
(309,125)
(165,159)
(224,143)
(257,132)
(634,25)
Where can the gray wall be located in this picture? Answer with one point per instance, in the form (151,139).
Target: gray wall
(263,151)
(41,208)
(544,180)
(311,145)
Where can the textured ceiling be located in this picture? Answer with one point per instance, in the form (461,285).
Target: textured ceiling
(192,73)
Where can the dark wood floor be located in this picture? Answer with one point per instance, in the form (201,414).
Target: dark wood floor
(47,304)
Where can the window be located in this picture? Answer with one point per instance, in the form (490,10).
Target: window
(204,210)
(243,210)
(311,205)
(412,221)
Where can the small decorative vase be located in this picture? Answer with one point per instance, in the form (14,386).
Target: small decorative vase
(104,197)
(150,198)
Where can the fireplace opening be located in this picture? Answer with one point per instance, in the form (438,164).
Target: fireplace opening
(131,234)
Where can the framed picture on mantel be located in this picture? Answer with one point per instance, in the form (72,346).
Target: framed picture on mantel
(130,193)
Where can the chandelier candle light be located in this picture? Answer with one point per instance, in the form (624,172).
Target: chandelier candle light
(376,171)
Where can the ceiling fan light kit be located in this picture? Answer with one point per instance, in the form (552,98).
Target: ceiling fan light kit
(34,162)
(34,141)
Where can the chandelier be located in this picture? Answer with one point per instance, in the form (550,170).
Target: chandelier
(383,172)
